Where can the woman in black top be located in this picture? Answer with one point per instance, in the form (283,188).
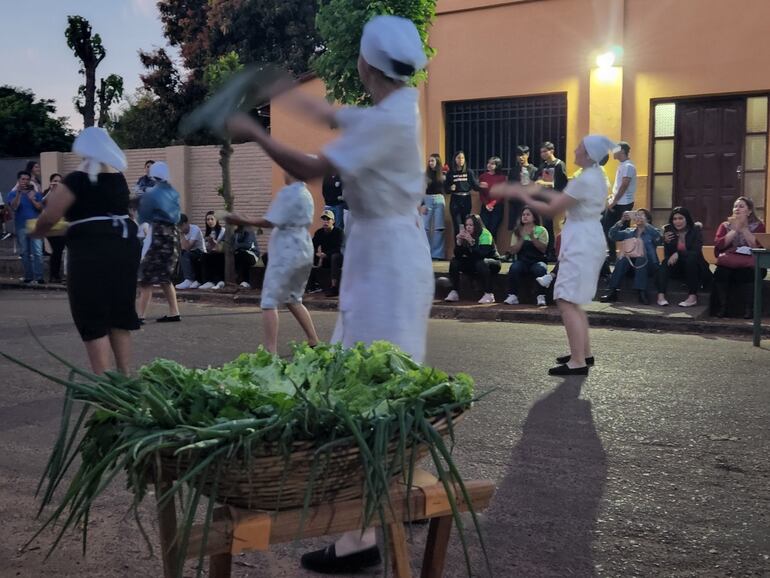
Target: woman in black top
(57,242)
(460,182)
(103,251)
(433,204)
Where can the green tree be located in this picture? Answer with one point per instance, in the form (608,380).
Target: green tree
(141,124)
(29,126)
(340,24)
(88,48)
(217,74)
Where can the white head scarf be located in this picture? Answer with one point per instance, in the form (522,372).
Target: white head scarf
(97,148)
(159,171)
(390,38)
(598,146)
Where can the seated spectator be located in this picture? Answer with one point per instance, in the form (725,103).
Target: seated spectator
(683,257)
(246,254)
(646,266)
(193,248)
(529,243)
(214,259)
(475,255)
(735,263)
(327,245)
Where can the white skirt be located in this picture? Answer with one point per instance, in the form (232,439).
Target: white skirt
(582,254)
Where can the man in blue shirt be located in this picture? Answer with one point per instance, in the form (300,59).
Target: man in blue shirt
(26,203)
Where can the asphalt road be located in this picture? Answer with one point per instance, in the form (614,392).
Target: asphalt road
(656,465)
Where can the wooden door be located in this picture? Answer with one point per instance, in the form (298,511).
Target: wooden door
(709,159)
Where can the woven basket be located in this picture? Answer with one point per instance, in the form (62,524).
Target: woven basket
(269,482)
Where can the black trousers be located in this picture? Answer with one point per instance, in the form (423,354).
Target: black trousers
(690,268)
(332,262)
(483,269)
(460,206)
(213,267)
(57,249)
(244,261)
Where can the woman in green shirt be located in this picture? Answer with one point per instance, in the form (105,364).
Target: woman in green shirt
(529,243)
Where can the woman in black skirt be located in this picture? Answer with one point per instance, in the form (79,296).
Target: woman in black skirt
(102,248)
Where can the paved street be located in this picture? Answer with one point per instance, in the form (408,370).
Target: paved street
(656,465)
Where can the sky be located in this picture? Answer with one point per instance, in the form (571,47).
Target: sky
(40,60)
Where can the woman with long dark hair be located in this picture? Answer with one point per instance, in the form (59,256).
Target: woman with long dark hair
(57,242)
(459,184)
(683,257)
(529,242)
(433,204)
(491,209)
(476,256)
(213,260)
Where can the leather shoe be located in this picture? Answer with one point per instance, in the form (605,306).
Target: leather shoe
(565,358)
(567,370)
(610,297)
(326,561)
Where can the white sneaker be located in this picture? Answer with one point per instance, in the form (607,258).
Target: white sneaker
(246,285)
(194,285)
(511,300)
(453,296)
(687,303)
(219,285)
(487,298)
(545,280)
(207,285)
(541,301)
(184,284)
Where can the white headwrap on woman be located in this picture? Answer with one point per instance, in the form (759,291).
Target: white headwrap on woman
(598,146)
(97,148)
(390,40)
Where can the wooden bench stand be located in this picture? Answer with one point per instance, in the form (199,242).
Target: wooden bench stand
(234,530)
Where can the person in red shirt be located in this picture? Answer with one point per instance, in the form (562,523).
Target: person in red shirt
(491,208)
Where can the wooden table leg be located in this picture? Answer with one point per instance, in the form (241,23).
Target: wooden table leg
(436,547)
(167,529)
(399,550)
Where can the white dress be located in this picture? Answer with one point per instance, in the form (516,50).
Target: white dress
(387,283)
(290,248)
(583,246)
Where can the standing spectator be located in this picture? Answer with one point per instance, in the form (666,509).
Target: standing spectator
(26,203)
(459,183)
(476,256)
(333,199)
(529,242)
(214,258)
(145,182)
(159,206)
(683,257)
(245,253)
(5,215)
(57,242)
(646,266)
(327,245)
(491,209)
(432,208)
(524,173)
(735,263)
(33,168)
(103,252)
(552,174)
(623,193)
(193,248)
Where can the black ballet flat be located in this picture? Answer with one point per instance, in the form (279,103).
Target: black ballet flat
(565,358)
(326,561)
(567,370)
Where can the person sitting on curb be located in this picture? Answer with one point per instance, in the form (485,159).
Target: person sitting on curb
(683,257)
(327,245)
(529,242)
(475,255)
(245,254)
(193,248)
(645,267)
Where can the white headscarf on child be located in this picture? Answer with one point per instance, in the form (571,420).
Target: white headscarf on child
(389,40)
(97,148)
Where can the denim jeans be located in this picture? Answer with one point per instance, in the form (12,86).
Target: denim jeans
(31,251)
(433,221)
(190,262)
(521,268)
(642,275)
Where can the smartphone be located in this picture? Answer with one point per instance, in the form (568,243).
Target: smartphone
(668,228)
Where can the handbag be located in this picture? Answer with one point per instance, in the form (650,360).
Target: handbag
(735,260)
(632,248)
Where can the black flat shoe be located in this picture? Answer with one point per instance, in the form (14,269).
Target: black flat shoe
(168,319)
(326,561)
(567,370)
(643,299)
(610,297)
(565,358)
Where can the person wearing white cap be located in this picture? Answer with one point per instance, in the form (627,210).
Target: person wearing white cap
(102,247)
(159,206)
(582,247)
(387,287)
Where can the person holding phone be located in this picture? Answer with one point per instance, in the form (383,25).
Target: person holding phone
(26,202)
(683,257)
(57,242)
(475,255)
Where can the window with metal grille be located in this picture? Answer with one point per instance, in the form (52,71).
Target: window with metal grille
(495,127)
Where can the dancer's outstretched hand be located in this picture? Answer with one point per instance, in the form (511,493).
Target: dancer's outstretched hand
(507,190)
(241,125)
(236,219)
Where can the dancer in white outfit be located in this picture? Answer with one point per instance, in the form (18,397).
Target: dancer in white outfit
(582,245)
(387,286)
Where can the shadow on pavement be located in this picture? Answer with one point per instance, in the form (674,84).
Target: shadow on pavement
(545,508)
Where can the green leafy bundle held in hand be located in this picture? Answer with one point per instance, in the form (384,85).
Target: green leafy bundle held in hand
(375,399)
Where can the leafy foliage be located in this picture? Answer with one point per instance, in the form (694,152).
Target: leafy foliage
(29,126)
(341,23)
